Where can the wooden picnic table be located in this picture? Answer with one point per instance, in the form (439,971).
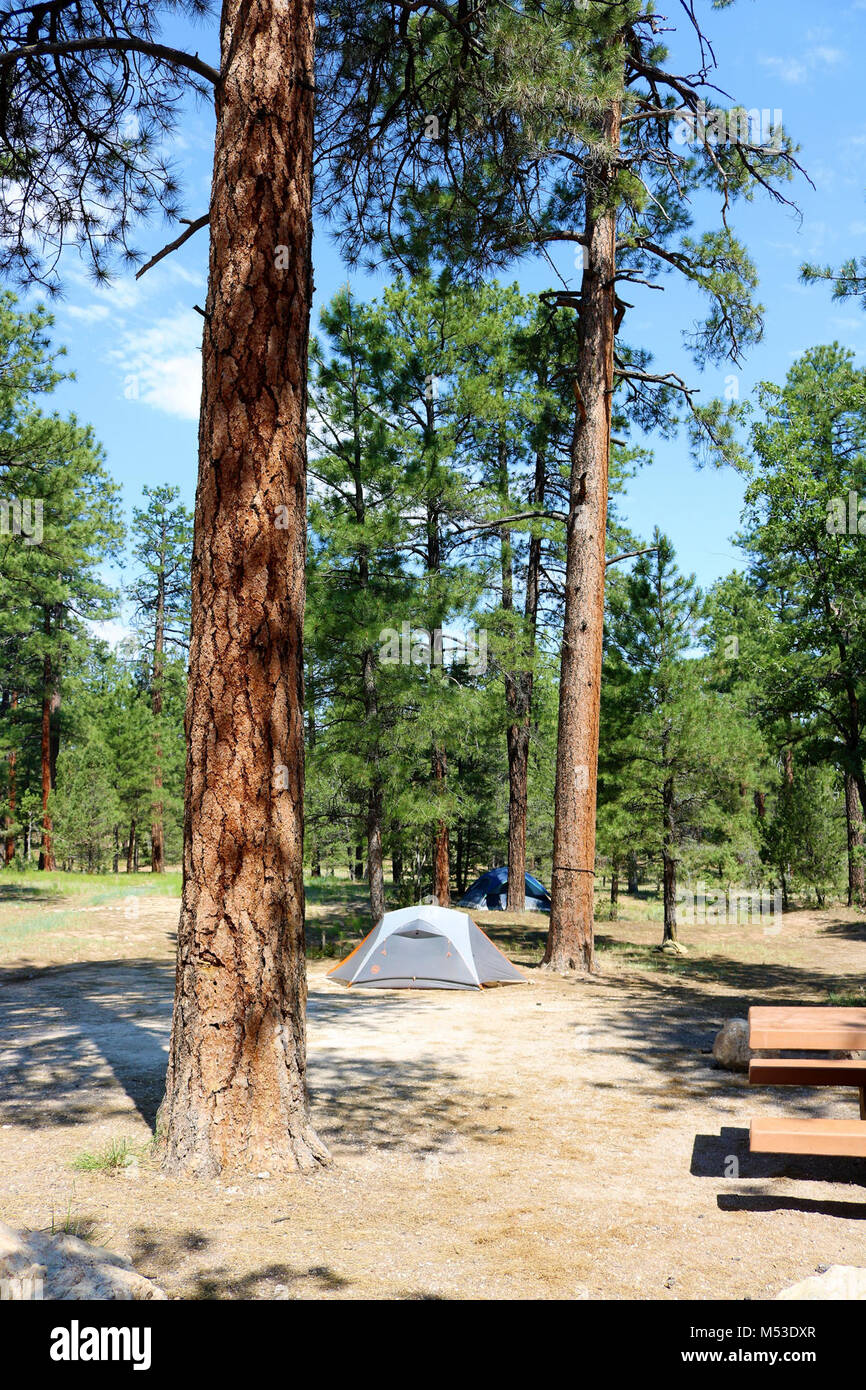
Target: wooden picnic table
(814,1029)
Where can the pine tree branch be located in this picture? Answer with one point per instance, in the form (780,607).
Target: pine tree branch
(630,554)
(115,44)
(192,228)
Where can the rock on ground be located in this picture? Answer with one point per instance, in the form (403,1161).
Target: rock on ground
(839,1281)
(70,1268)
(732,1052)
(731,1047)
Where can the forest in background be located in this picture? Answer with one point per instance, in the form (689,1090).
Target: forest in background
(439,444)
(457,476)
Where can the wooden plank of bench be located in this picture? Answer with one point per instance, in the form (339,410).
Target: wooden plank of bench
(808,1027)
(846,1138)
(804,1071)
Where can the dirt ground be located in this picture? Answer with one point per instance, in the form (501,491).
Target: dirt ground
(566,1139)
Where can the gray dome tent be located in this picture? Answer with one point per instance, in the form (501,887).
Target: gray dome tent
(426,947)
(490,891)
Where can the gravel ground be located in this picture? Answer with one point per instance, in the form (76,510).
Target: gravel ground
(570,1138)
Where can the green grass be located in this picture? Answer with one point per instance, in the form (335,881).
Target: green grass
(855,999)
(118,1154)
(32,886)
(80,1226)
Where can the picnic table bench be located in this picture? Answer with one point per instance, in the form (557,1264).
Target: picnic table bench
(814,1029)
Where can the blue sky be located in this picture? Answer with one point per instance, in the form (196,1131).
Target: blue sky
(134,346)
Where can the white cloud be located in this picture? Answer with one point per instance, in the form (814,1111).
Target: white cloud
(88,313)
(112,631)
(788,69)
(161,364)
(796,70)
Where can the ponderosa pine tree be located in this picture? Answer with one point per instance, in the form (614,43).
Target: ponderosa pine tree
(63,524)
(359,579)
(687,747)
(804,463)
(100,76)
(161,595)
(600,147)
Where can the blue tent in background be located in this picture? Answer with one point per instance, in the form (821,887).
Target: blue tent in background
(490,891)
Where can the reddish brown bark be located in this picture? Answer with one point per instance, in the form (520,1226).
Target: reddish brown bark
(518,698)
(441,840)
(570,943)
(236,1095)
(130,848)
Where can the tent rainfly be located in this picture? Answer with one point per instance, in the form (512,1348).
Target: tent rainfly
(490,891)
(426,947)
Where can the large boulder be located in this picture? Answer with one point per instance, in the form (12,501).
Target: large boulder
(68,1268)
(731,1048)
(838,1282)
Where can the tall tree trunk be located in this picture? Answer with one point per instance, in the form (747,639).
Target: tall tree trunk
(517,732)
(236,1094)
(854,819)
(369,685)
(518,697)
(570,944)
(669,879)
(130,848)
(441,842)
(518,777)
(632,872)
(760,805)
(46,852)
(157,841)
(375,861)
(12,801)
(614,890)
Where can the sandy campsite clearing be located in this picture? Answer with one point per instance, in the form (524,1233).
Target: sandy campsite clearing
(565,1139)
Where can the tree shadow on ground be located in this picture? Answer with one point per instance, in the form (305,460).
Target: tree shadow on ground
(24,893)
(665,1024)
(848,931)
(363,1100)
(69,1033)
(179,1255)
